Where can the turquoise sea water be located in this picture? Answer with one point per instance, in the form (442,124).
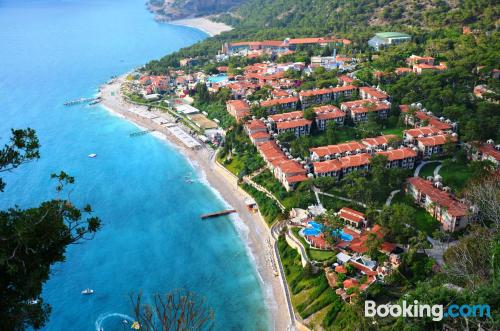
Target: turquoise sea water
(152,238)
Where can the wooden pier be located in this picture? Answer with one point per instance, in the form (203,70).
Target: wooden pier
(82,100)
(218,213)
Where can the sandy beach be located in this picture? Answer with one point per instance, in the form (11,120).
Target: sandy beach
(258,238)
(204,24)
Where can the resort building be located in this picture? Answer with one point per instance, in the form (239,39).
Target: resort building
(403,71)
(432,145)
(367,92)
(290,173)
(358,110)
(486,152)
(411,135)
(414,115)
(415,59)
(400,158)
(451,213)
(290,122)
(423,68)
(352,217)
(346,80)
(325,95)
(327,114)
(255,126)
(258,138)
(277,105)
(386,39)
(337,151)
(344,165)
(380,142)
(239,109)
(277,46)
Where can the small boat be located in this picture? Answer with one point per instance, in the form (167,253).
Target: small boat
(189,181)
(93,155)
(88,291)
(33,301)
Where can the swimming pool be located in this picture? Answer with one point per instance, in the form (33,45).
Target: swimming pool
(217,78)
(342,235)
(313,229)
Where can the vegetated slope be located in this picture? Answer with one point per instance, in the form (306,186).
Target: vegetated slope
(176,9)
(346,15)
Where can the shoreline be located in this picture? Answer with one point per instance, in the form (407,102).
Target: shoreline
(203,24)
(225,186)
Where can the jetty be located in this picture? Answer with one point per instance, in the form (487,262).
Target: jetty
(218,213)
(140,133)
(82,100)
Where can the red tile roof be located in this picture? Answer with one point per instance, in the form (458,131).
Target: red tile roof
(278,101)
(442,198)
(380,140)
(293,124)
(365,105)
(490,150)
(328,112)
(293,115)
(350,146)
(342,163)
(327,166)
(374,93)
(425,130)
(260,135)
(435,140)
(351,282)
(399,154)
(346,79)
(238,105)
(256,125)
(330,90)
(296,179)
(340,269)
(351,215)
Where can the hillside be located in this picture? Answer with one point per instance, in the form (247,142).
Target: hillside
(344,16)
(167,10)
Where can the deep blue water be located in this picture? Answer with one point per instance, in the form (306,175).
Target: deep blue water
(152,238)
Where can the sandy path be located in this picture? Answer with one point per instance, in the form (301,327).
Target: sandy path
(258,238)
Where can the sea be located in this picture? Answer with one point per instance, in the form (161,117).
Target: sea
(152,239)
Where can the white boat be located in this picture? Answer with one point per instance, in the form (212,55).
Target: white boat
(92,155)
(88,291)
(33,301)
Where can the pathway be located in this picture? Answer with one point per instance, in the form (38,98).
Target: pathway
(391,196)
(419,167)
(318,191)
(437,169)
(262,189)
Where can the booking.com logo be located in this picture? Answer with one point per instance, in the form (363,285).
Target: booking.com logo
(436,312)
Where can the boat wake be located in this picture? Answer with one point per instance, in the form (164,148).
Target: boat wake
(103,317)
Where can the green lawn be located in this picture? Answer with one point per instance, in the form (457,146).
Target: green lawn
(456,174)
(310,292)
(428,170)
(314,254)
(424,221)
(397,131)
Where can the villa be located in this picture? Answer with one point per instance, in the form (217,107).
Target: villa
(432,145)
(380,142)
(367,92)
(239,109)
(327,114)
(273,106)
(419,116)
(486,152)
(359,109)
(415,59)
(423,68)
(400,158)
(336,151)
(451,213)
(290,122)
(352,217)
(410,136)
(325,95)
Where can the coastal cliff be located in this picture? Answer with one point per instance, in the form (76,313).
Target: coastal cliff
(169,10)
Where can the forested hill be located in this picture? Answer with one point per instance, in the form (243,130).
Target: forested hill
(346,15)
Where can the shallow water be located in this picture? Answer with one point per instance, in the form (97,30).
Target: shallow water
(152,238)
